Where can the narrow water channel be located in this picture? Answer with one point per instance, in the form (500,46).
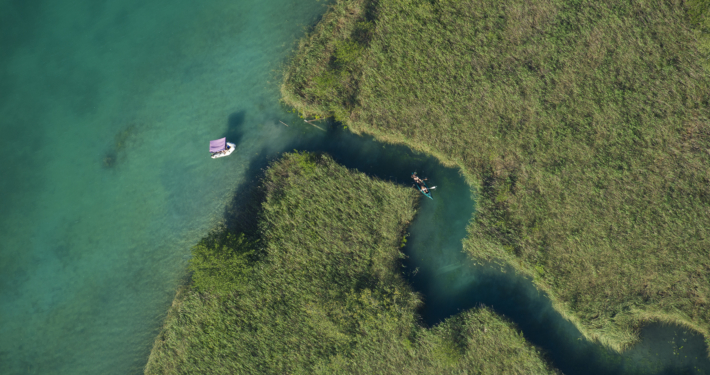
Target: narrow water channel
(105,113)
(451,282)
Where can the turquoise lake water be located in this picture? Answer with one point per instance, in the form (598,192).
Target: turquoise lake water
(106,109)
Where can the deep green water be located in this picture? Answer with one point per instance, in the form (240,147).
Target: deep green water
(105,113)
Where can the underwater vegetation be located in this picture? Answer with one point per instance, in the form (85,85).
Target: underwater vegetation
(122,140)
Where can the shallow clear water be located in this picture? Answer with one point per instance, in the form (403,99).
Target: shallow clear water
(105,113)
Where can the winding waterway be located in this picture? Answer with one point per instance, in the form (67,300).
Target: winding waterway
(105,113)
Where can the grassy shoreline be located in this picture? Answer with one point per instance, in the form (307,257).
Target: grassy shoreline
(318,289)
(582,125)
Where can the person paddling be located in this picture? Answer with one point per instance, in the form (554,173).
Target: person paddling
(422,186)
(420,182)
(417,179)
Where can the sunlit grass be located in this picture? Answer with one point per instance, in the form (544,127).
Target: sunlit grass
(584,126)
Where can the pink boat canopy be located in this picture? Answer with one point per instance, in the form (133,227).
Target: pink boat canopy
(218,145)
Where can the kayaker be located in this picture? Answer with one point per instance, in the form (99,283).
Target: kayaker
(420,183)
(417,179)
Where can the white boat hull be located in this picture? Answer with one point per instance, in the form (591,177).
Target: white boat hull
(230,148)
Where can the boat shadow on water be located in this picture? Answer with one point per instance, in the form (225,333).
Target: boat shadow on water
(448,281)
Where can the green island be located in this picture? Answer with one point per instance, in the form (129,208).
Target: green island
(583,126)
(317,288)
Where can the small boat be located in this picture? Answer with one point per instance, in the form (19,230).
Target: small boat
(220,148)
(419,186)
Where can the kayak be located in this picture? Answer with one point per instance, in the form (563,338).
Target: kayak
(228,151)
(428,193)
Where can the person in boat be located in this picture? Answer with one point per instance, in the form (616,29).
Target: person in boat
(225,151)
(420,182)
(422,187)
(417,179)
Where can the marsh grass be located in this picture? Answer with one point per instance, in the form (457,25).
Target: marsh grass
(699,13)
(583,125)
(321,292)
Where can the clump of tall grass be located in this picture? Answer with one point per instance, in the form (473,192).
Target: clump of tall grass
(584,126)
(320,291)
(699,13)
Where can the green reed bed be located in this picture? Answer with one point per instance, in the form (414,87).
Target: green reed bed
(583,125)
(699,12)
(319,290)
